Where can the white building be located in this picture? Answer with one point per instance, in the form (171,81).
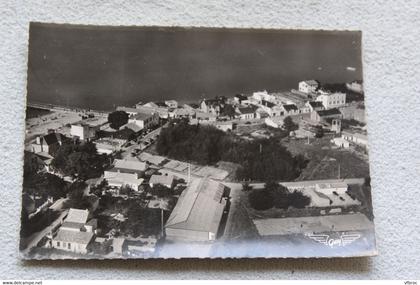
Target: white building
(340,142)
(83,131)
(165,180)
(259,96)
(198,212)
(357,138)
(308,86)
(144,120)
(126,173)
(171,104)
(330,188)
(332,100)
(75,233)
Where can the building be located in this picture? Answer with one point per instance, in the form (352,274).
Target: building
(315,106)
(47,144)
(198,212)
(246,113)
(144,120)
(108,145)
(213,106)
(126,173)
(165,180)
(356,138)
(325,115)
(224,126)
(240,99)
(355,86)
(340,142)
(308,86)
(171,104)
(259,96)
(75,233)
(336,125)
(330,188)
(332,100)
(290,110)
(84,131)
(209,117)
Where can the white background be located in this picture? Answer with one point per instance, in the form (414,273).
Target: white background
(391,46)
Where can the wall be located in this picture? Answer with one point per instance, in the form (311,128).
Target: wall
(392,76)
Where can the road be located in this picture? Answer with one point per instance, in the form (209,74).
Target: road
(35,238)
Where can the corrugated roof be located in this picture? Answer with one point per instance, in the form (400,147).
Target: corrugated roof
(200,207)
(316,104)
(311,82)
(77,216)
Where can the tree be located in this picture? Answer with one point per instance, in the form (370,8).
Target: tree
(228,111)
(160,191)
(261,199)
(319,131)
(79,160)
(298,200)
(289,125)
(76,196)
(246,187)
(117,119)
(45,185)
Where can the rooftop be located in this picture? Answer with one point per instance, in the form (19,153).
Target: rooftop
(73,236)
(329,112)
(130,164)
(316,104)
(77,216)
(200,207)
(161,179)
(311,82)
(290,107)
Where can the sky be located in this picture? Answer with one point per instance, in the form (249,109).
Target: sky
(101,67)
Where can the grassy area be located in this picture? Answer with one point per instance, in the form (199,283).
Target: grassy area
(324,160)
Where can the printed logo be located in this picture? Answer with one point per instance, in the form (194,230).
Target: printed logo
(342,240)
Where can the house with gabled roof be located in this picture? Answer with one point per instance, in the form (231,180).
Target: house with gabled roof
(246,112)
(75,233)
(308,86)
(126,173)
(198,212)
(47,144)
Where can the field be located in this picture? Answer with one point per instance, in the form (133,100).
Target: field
(326,161)
(32,112)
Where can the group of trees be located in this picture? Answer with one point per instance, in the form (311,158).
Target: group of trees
(79,160)
(289,125)
(41,184)
(261,160)
(117,119)
(278,196)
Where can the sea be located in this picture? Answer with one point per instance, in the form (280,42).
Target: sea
(101,67)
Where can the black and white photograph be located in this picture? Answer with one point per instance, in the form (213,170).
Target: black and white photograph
(192,142)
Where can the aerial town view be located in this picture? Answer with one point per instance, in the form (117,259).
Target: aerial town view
(253,166)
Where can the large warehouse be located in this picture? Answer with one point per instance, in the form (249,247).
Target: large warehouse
(197,215)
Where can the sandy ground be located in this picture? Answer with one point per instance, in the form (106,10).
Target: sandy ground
(56,120)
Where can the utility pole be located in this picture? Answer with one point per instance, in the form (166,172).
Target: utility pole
(189,174)
(339,171)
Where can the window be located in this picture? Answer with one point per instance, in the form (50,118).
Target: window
(69,246)
(58,243)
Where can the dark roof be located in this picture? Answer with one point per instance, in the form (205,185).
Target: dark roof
(241,97)
(52,138)
(329,112)
(290,107)
(316,104)
(246,110)
(268,104)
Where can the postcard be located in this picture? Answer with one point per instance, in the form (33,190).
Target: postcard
(176,142)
